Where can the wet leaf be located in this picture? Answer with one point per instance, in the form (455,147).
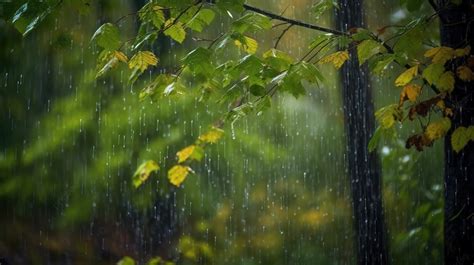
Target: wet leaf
(446,82)
(175,30)
(406,76)
(438,129)
(461,136)
(465,73)
(142,60)
(177,174)
(202,19)
(410,92)
(143,172)
(433,72)
(440,55)
(212,136)
(367,49)
(388,115)
(462,52)
(107,36)
(337,58)
(247,44)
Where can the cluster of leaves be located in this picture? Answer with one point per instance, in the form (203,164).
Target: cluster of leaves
(245,79)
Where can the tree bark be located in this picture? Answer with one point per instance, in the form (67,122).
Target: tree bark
(363,166)
(457,31)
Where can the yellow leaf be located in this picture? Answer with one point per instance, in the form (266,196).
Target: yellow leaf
(185,153)
(212,136)
(143,172)
(446,82)
(465,73)
(250,45)
(387,116)
(438,129)
(410,91)
(177,174)
(440,54)
(120,56)
(337,58)
(406,76)
(462,52)
(142,59)
(461,136)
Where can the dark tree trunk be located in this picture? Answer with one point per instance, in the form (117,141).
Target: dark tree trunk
(457,30)
(363,166)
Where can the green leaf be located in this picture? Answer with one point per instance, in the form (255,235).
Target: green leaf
(231,5)
(157,87)
(126,261)
(323,6)
(367,49)
(446,82)
(175,30)
(199,61)
(380,63)
(202,19)
(152,13)
(143,172)
(154,261)
(277,59)
(251,22)
(461,136)
(433,72)
(107,36)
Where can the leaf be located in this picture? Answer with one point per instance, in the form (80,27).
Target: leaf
(462,52)
(367,49)
(277,59)
(120,56)
(153,13)
(381,63)
(202,19)
(461,136)
(337,58)
(247,44)
(199,61)
(142,60)
(406,76)
(175,30)
(440,55)
(155,261)
(438,129)
(410,92)
(126,261)
(375,139)
(157,86)
(465,73)
(323,6)
(177,174)
(193,151)
(433,72)
(107,36)
(212,136)
(387,116)
(446,82)
(251,22)
(143,172)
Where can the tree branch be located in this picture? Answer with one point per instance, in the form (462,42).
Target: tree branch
(293,21)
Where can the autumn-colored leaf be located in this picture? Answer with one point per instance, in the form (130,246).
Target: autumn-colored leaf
(387,116)
(337,58)
(410,92)
(191,152)
(247,44)
(143,172)
(422,109)
(406,76)
(142,59)
(440,54)
(438,129)
(212,136)
(177,174)
(465,73)
(419,141)
(121,56)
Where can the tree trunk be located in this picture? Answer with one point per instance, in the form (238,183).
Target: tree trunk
(457,31)
(363,166)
